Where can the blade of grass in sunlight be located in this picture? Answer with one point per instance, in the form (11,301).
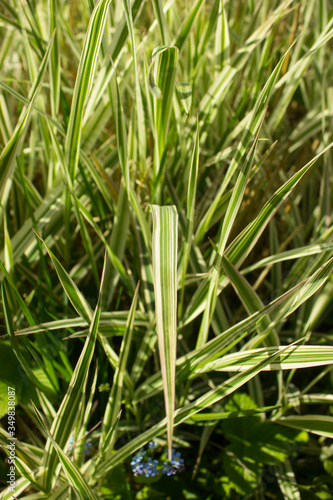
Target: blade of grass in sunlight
(24,470)
(226,226)
(68,411)
(140,114)
(187,25)
(162,86)
(250,299)
(300,356)
(187,412)
(73,474)
(251,130)
(165,236)
(9,153)
(318,424)
(83,84)
(287,481)
(242,245)
(114,403)
(219,346)
(190,210)
(222,38)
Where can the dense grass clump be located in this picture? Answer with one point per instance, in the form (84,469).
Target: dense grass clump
(166,249)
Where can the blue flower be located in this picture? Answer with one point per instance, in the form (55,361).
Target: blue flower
(143,464)
(138,457)
(137,469)
(149,468)
(136,463)
(168,469)
(152,445)
(176,460)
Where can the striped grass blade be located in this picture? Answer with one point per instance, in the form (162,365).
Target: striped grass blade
(164,253)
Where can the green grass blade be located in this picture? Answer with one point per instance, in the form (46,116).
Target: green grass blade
(68,411)
(250,299)
(187,25)
(73,474)
(83,84)
(17,346)
(222,38)
(159,14)
(165,235)
(55,59)
(162,86)
(76,298)
(302,356)
(251,130)
(322,425)
(9,153)
(242,245)
(24,470)
(287,481)
(226,226)
(186,412)
(190,210)
(221,344)
(122,138)
(114,403)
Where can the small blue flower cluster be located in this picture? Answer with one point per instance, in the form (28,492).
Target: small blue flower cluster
(143,463)
(176,464)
